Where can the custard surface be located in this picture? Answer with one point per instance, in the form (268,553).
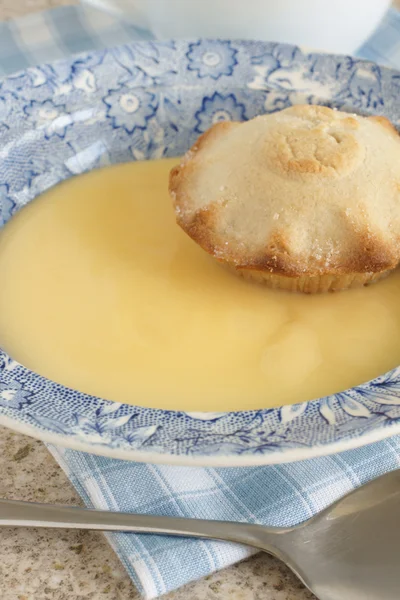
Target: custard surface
(101,291)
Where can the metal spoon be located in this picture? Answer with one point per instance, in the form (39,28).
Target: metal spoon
(350,551)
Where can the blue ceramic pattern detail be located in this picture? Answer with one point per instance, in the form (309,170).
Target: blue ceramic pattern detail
(144,101)
(7,205)
(130,108)
(49,117)
(212,58)
(218,108)
(5,109)
(13,395)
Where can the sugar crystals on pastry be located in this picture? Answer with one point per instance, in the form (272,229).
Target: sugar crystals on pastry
(305,199)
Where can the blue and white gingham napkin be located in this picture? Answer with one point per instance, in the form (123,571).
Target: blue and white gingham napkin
(279,495)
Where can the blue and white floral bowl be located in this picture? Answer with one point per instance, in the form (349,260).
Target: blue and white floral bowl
(145,101)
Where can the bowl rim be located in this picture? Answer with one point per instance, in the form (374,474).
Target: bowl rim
(217,461)
(279,454)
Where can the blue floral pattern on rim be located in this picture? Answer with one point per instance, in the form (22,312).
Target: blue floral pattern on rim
(212,58)
(13,395)
(144,101)
(130,108)
(219,108)
(48,116)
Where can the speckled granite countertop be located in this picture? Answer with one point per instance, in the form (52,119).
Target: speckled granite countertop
(68,565)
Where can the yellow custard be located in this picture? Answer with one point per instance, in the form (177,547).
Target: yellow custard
(101,291)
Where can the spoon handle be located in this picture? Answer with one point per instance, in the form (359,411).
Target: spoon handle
(31,514)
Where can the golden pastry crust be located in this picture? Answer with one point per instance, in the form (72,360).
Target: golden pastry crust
(306,199)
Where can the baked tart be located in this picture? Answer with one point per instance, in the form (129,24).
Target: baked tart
(306,199)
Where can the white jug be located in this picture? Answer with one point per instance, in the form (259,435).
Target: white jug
(332,25)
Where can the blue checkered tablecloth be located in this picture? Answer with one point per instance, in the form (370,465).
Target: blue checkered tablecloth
(47,36)
(278,495)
